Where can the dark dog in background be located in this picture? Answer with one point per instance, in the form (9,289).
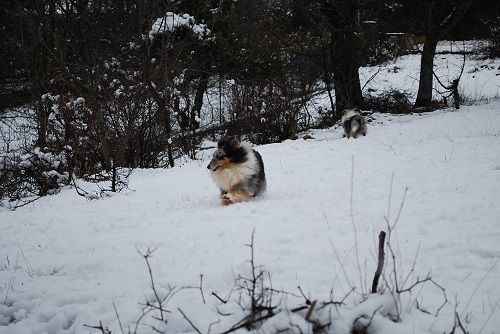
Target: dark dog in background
(238,170)
(354,123)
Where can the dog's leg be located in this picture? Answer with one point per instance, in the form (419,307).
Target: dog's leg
(226,200)
(235,196)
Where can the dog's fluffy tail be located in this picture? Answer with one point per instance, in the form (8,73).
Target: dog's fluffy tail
(355,126)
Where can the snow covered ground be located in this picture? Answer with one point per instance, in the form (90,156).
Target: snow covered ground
(65,261)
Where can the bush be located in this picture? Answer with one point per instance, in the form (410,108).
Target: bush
(494,47)
(394,102)
(29,175)
(267,112)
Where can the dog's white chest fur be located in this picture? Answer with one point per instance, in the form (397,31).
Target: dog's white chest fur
(229,177)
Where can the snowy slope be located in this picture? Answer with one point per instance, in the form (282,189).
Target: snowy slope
(480,79)
(64,261)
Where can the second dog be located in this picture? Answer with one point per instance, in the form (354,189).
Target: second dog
(354,123)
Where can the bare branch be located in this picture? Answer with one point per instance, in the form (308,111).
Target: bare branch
(189,321)
(100,328)
(310,310)
(364,316)
(371,78)
(118,317)
(381,257)
(201,288)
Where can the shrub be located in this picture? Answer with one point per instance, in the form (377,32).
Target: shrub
(393,101)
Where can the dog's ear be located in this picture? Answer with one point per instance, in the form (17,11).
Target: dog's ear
(232,142)
(223,141)
(227,141)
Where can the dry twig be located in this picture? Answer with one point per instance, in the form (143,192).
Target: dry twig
(381,257)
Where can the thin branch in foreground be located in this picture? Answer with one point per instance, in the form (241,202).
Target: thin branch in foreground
(249,323)
(118,317)
(159,301)
(219,298)
(29,270)
(212,324)
(201,289)
(189,321)
(308,301)
(490,315)
(363,316)
(428,278)
(478,285)
(100,328)
(338,303)
(391,227)
(412,270)
(458,325)
(10,286)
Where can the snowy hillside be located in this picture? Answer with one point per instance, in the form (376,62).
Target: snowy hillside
(66,262)
(480,78)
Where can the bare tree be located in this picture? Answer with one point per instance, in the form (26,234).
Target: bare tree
(441,18)
(344,51)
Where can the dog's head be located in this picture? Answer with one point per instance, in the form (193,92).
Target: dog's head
(228,153)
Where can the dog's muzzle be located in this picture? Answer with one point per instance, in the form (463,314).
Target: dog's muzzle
(213,170)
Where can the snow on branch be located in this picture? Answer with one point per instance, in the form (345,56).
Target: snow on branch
(172,21)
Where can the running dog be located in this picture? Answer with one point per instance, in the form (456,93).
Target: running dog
(354,123)
(238,170)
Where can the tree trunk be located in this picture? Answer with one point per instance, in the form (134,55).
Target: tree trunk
(42,119)
(345,71)
(344,52)
(326,74)
(438,25)
(424,96)
(198,99)
(114,176)
(171,161)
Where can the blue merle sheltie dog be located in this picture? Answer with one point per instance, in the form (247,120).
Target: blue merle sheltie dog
(238,170)
(354,123)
